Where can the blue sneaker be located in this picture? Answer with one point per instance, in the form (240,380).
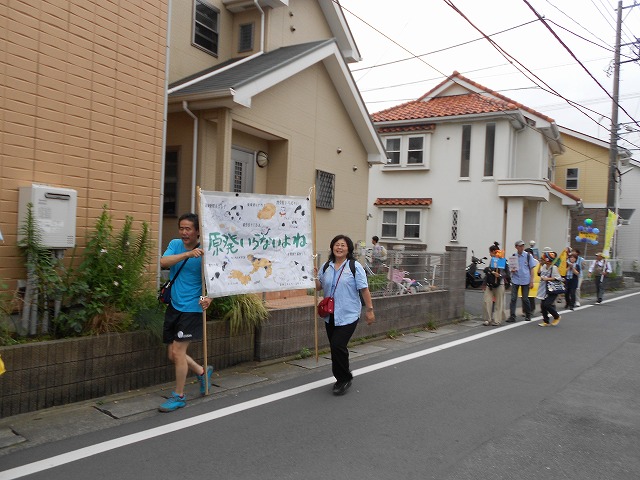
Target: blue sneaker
(174,402)
(201,379)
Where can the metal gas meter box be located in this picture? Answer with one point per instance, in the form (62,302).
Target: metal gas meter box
(54,212)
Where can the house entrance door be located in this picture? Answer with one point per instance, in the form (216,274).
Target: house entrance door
(241,171)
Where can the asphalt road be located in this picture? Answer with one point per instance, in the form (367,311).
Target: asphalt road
(515,402)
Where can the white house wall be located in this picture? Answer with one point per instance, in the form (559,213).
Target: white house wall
(484,217)
(628,236)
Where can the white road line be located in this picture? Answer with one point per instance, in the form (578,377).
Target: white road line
(102,447)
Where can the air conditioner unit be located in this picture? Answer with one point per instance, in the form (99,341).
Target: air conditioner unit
(54,213)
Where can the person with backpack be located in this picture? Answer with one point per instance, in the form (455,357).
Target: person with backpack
(496,280)
(521,265)
(343,279)
(378,254)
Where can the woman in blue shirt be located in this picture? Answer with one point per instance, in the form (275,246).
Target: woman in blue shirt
(339,282)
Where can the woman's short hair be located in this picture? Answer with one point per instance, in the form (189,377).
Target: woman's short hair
(349,243)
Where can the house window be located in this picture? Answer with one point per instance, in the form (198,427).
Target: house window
(572,179)
(205,27)
(465,156)
(415,151)
(407,151)
(245,43)
(401,224)
(412,224)
(170,199)
(489,147)
(454,225)
(389,223)
(393,151)
(325,188)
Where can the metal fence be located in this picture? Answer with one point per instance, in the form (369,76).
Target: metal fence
(404,273)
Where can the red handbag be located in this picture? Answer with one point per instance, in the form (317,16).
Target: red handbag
(327,304)
(325,307)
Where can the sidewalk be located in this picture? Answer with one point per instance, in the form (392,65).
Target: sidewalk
(43,426)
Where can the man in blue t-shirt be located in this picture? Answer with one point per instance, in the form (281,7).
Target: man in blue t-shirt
(522,267)
(183,318)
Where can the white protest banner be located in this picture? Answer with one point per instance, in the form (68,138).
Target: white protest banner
(255,243)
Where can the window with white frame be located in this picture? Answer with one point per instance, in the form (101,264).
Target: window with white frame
(393,150)
(401,224)
(572,179)
(408,151)
(390,223)
(465,155)
(206,26)
(455,215)
(412,224)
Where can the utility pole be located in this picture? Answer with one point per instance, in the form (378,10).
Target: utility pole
(613,139)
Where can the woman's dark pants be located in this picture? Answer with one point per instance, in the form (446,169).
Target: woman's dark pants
(339,337)
(548,306)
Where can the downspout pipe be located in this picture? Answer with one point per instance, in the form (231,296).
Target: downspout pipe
(261,26)
(194,156)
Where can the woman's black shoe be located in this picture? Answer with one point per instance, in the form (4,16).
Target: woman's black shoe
(340,388)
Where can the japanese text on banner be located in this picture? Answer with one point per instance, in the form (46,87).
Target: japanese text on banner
(255,243)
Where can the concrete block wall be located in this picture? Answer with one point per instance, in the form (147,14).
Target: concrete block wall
(46,374)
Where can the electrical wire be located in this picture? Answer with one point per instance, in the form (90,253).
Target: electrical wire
(393,62)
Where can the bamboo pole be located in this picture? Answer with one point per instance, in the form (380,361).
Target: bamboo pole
(312,196)
(202,294)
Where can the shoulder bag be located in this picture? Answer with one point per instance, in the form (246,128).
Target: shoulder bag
(164,292)
(555,287)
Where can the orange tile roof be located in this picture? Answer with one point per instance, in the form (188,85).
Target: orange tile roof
(465,104)
(425,127)
(400,202)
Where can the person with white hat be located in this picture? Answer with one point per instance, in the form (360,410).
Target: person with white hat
(599,270)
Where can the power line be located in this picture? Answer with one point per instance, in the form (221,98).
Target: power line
(544,22)
(436,51)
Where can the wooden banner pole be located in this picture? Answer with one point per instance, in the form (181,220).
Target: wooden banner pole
(202,294)
(312,195)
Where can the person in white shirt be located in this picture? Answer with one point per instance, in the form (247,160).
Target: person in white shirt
(600,269)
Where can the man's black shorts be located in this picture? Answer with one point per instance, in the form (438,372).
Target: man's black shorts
(181,326)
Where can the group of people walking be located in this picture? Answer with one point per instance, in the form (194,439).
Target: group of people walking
(520,272)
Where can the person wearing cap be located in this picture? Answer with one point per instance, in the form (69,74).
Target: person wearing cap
(522,265)
(548,272)
(599,270)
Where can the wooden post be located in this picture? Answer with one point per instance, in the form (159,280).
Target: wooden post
(202,294)
(312,195)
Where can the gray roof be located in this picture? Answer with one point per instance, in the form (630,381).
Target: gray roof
(247,72)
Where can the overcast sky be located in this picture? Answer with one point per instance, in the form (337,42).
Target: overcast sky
(388,32)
